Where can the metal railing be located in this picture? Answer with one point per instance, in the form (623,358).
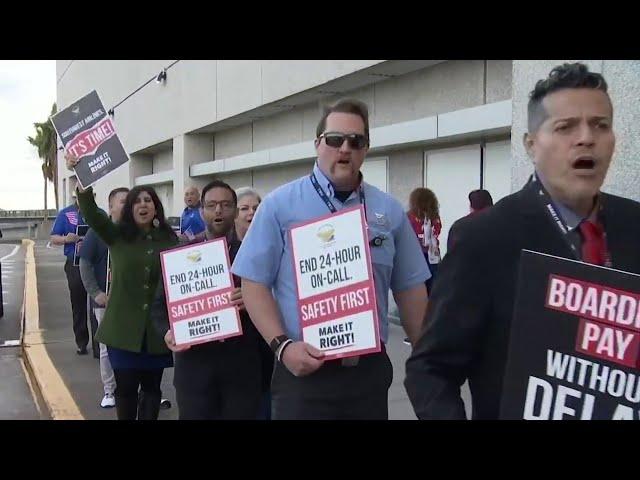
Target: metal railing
(52,212)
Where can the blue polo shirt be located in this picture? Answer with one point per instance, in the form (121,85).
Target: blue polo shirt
(192,222)
(66,222)
(266,254)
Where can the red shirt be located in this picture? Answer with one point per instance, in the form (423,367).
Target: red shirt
(418,228)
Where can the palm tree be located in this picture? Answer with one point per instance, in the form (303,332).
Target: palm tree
(46,141)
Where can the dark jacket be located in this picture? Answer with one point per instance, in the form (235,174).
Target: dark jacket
(454,231)
(467,324)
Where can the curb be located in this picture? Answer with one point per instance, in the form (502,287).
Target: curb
(46,379)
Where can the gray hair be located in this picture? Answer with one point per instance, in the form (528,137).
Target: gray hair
(244,191)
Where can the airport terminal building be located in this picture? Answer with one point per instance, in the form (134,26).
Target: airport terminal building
(449,125)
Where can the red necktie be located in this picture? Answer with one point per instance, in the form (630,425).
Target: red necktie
(593,246)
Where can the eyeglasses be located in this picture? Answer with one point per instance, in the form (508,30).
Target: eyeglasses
(357,141)
(223,205)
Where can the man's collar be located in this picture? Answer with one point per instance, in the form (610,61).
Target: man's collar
(327,185)
(209,236)
(187,207)
(570,217)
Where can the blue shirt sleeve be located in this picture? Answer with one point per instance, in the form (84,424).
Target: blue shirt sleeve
(409,265)
(199,225)
(60,227)
(261,251)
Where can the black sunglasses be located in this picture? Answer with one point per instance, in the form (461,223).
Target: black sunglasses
(356,141)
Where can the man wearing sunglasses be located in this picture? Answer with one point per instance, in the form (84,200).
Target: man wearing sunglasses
(304,385)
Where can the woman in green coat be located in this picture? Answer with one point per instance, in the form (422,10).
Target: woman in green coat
(137,352)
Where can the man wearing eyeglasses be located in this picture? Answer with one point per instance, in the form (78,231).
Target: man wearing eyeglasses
(304,385)
(219,380)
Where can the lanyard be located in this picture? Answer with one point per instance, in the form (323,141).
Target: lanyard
(321,193)
(561,225)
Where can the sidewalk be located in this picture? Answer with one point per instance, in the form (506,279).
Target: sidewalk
(16,399)
(81,374)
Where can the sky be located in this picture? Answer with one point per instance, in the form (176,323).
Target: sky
(27,92)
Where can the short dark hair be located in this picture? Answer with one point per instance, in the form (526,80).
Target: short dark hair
(479,199)
(568,75)
(218,184)
(115,191)
(345,105)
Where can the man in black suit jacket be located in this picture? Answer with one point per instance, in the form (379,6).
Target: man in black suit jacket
(466,330)
(479,200)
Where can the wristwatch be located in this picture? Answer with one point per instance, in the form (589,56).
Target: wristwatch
(277,342)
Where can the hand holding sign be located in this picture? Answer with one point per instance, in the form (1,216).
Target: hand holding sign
(101,299)
(86,130)
(334,284)
(171,343)
(302,359)
(236,298)
(71,238)
(202,302)
(71,162)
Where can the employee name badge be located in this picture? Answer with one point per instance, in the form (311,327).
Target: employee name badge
(198,286)
(81,232)
(334,280)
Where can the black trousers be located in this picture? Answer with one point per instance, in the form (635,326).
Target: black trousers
(433,268)
(130,404)
(219,381)
(334,392)
(78,297)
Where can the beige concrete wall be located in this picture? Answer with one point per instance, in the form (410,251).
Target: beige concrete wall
(406,172)
(196,93)
(163,161)
(623,78)
(165,193)
(499,77)
(236,179)
(442,88)
(281,129)
(188,150)
(234,141)
(264,181)
(200,93)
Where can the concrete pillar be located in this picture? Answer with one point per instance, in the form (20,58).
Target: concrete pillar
(623,78)
(140,164)
(188,150)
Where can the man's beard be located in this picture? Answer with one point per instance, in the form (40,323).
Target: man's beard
(219,230)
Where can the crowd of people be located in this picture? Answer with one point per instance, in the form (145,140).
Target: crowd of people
(455,309)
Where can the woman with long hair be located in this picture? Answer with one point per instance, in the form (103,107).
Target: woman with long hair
(424,215)
(136,351)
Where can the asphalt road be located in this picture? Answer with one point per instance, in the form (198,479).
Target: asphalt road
(16,399)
